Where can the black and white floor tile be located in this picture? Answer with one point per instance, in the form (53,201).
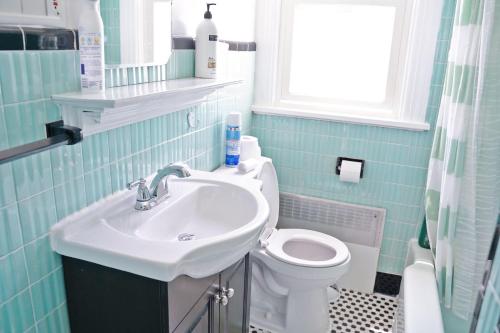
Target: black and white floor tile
(357,312)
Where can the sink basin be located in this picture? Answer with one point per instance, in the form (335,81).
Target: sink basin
(206,224)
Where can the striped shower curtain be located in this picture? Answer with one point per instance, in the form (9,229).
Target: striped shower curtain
(463,184)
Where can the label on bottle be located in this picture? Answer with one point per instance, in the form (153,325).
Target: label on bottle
(212,38)
(212,64)
(91,62)
(233,146)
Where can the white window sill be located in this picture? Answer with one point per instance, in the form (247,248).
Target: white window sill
(346,118)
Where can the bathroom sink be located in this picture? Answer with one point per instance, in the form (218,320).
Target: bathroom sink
(206,224)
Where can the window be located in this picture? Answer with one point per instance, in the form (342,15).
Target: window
(358,59)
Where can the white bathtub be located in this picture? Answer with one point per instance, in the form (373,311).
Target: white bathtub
(419,310)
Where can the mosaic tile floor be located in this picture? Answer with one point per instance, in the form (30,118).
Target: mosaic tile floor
(357,312)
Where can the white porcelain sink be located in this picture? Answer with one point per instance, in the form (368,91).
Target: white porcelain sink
(207,224)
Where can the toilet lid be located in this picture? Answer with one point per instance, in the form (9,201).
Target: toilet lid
(307,248)
(270,191)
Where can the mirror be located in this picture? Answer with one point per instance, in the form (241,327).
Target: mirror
(136,32)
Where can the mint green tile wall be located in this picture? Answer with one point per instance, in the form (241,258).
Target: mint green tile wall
(180,65)
(110,13)
(305,152)
(37,191)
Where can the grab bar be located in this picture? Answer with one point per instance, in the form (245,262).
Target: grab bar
(58,134)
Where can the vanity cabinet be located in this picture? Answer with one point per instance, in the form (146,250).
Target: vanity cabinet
(103,299)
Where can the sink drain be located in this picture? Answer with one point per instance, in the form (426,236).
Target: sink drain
(186,237)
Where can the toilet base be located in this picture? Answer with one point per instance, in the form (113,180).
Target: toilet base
(291,299)
(311,304)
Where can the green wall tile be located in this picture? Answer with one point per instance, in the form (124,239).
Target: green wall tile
(95,150)
(119,143)
(4,142)
(37,214)
(12,274)
(16,315)
(48,293)
(140,136)
(40,258)
(141,164)
(121,174)
(32,174)
(54,79)
(97,184)
(55,322)
(9,230)
(67,163)
(52,111)
(7,189)
(70,197)
(25,122)
(184,62)
(31,329)
(20,76)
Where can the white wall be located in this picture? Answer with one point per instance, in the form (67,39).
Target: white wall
(235,19)
(72,13)
(34,13)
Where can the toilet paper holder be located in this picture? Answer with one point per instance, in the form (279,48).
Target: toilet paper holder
(339,163)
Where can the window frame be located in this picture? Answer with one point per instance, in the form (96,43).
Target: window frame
(410,89)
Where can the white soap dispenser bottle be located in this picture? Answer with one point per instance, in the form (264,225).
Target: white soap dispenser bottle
(206,47)
(91,42)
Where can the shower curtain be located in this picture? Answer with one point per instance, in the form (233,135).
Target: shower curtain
(463,182)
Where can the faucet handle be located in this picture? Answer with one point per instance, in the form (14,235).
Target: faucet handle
(142,190)
(141,182)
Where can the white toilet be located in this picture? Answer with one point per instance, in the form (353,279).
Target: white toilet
(292,268)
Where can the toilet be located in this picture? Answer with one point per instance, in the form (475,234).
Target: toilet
(291,268)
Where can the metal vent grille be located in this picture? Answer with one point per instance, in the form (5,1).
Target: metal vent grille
(350,223)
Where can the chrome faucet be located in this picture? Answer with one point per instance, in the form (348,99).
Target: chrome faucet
(158,189)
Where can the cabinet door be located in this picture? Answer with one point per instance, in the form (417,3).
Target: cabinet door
(184,293)
(235,316)
(204,322)
(201,317)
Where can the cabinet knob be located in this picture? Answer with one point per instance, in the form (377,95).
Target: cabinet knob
(221,300)
(230,292)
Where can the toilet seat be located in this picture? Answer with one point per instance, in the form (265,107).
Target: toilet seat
(306,248)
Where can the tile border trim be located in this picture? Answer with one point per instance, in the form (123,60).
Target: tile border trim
(17,38)
(188,43)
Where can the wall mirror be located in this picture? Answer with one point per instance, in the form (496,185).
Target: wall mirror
(137,32)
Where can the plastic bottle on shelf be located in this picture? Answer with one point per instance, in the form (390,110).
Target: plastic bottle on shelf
(91,42)
(206,47)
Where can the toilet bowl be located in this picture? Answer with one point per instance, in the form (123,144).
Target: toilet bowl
(291,268)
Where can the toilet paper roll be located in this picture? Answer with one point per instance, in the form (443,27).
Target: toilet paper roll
(350,171)
(249,148)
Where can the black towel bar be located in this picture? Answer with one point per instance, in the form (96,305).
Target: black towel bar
(58,134)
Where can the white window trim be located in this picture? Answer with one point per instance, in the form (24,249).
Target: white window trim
(386,109)
(416,85)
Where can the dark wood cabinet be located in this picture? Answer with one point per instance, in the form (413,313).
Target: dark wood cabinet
(103,299)
(235,317)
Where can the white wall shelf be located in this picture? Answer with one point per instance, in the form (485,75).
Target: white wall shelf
(119,106)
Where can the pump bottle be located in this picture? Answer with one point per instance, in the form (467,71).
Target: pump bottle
(206,47)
